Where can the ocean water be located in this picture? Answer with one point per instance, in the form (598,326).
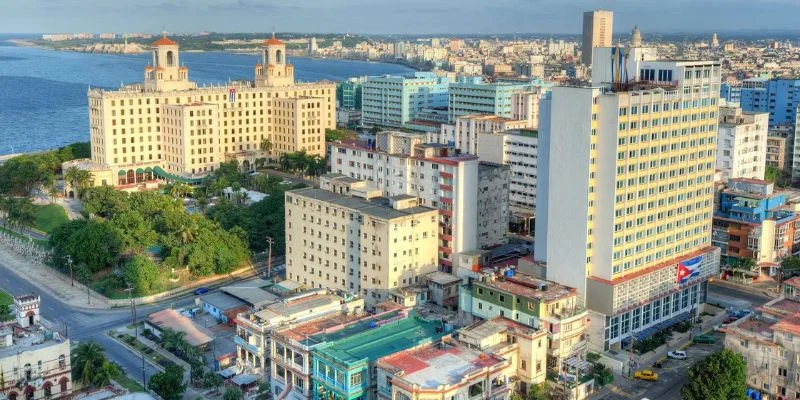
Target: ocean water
(43,93)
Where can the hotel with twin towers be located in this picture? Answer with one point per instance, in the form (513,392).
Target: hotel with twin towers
(168,127)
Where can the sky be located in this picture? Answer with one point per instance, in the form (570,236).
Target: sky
(391,16)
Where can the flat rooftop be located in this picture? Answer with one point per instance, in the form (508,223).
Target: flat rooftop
(337,326)
(382,340)
(439,364)
(33,338)
(529,287)
(171,319)
(378,207)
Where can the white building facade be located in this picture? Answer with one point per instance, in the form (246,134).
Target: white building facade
(742,143)
(625,194)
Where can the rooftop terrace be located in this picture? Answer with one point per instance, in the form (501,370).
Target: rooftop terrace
(439,364)
(371,344)
(530,287)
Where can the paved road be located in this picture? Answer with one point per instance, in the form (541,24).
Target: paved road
(728,296)
(673,375)
(88,324)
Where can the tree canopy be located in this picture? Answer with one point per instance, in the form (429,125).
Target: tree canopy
(27,173)
(720,376)
(169,383)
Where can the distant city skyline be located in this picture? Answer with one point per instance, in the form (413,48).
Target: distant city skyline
(391,16)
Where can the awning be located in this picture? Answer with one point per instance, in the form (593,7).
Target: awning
(139,171)
(176,178)
(122,172)
(148,169)
(244,379)
(230,371)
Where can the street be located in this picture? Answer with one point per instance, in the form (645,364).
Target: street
(84,325)
(673,373)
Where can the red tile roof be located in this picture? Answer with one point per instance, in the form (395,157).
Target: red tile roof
(272,41)
(164,41)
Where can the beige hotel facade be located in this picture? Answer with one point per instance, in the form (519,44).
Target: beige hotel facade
(168,127)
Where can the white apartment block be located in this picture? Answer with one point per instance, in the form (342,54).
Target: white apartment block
(742,143)
(34,357)
(403,164)
(625,194)
(171,128)
(463,135)
(368,246)
(518,149)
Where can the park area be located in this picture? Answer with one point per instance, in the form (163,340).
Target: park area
(5,306)
(48,217)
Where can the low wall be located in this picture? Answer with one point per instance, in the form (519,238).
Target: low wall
(241,272)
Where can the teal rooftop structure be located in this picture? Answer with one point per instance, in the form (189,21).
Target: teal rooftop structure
(341,368)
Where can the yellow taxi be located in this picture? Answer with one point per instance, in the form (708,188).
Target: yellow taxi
(646,375)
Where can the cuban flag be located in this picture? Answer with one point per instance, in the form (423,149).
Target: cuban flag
(689,269)
(232,95)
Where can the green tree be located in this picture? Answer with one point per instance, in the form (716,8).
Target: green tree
(78,179)
(142,274)
(90,366)
(539,392)
(104,201)
(332,135)
(720,376)
(266,147)
(263,391)
(212,380)
(134,231)
(232,393)
(169,384)
(90,242)
(21,212)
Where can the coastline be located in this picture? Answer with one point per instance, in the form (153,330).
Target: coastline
(28,43)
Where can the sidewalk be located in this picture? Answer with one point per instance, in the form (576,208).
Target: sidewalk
(50,281)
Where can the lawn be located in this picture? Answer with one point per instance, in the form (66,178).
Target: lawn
(129,383)
(5,306)
(49,217)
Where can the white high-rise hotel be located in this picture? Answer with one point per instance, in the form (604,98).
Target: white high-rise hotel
(625,190)
(171,128)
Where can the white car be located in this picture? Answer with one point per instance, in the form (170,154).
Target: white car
(677,355)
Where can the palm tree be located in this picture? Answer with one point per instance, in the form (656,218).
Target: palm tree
(105,373)
(266,147)
(85,359)
(285,162)
(172,340)
(78,178)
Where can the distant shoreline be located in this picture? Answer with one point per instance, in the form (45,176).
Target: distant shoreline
(28,43)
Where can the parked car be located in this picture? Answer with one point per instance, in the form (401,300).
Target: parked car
(677,355)
(201,290)
(704,339)
(646,375)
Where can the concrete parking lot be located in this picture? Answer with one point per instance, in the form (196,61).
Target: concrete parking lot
(671,376)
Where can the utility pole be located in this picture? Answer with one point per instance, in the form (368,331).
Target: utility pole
(69,261)
(136,330)
(270,241)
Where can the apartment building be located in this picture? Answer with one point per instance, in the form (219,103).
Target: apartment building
(777,151)
(753,221)
(463,135)
(345,367)
(254,328)
(170,128)
(625,193)
(395,100)
(518,150)
(291,346)
(768,342)
(369,245)
(742,143)
(493,209)
(539,304)
(400,163)
(471,95)
(447,370)
(34,356)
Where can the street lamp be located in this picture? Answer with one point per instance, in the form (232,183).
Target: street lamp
(270,241)
(69,261)
(136,329)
